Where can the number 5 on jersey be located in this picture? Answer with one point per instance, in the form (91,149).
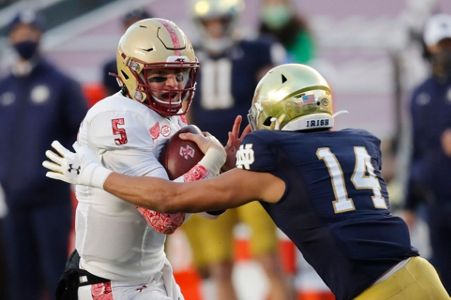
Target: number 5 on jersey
(362,178)
(119,131)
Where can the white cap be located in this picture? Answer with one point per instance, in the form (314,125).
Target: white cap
(437,28)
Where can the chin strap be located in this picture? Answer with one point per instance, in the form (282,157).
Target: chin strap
(275,122)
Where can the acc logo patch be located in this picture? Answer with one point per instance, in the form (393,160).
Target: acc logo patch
(165,130)
(245,157)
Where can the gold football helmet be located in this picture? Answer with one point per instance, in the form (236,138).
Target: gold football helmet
(206,9)
(226,12)
(292,97)
(156,44)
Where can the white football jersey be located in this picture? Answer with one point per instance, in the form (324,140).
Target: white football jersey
(112,237)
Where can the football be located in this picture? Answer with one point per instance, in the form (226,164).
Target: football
(179,156)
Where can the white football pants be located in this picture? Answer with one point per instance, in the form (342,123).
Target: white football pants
(161,287)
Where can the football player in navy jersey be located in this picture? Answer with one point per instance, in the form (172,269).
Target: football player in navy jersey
(323,188)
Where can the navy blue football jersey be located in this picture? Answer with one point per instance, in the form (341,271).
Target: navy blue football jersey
(226,84)
(335,207)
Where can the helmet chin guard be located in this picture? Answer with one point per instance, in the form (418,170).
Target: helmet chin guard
(167,102)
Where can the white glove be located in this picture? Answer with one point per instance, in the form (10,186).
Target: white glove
(79,167)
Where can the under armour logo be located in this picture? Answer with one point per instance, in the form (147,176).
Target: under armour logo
(140,289)
(187,152)
(245,156)
(71,168)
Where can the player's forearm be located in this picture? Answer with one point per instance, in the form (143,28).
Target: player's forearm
(148,192)
(166,196)
(225,191)
(156,194)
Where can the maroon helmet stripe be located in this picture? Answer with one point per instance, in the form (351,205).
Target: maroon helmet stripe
(173,35)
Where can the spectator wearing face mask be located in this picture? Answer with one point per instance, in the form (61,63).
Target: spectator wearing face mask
(38,103)
(279,19)
(430,164)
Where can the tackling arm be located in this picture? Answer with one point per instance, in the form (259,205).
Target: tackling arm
(230,189)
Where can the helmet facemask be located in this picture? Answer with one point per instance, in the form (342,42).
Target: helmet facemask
(167,100)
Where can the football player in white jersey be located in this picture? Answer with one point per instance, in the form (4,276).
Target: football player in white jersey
(120,246)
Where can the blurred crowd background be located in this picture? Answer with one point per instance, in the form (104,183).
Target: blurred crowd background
(372,53)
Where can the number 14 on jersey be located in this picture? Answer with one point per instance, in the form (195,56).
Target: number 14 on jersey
(363,177)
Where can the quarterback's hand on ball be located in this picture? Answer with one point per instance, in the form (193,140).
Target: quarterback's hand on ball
(215,155)
(79,167)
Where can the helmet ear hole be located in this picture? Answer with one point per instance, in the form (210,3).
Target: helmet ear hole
(267,121)
(124,74)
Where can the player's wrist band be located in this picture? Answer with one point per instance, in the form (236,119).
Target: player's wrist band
(98,176)
(213,160)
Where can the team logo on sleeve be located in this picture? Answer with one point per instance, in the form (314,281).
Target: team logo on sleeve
(245,157)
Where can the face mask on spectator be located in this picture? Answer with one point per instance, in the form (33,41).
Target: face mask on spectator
(441,64)
(276,16)
(26,49)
